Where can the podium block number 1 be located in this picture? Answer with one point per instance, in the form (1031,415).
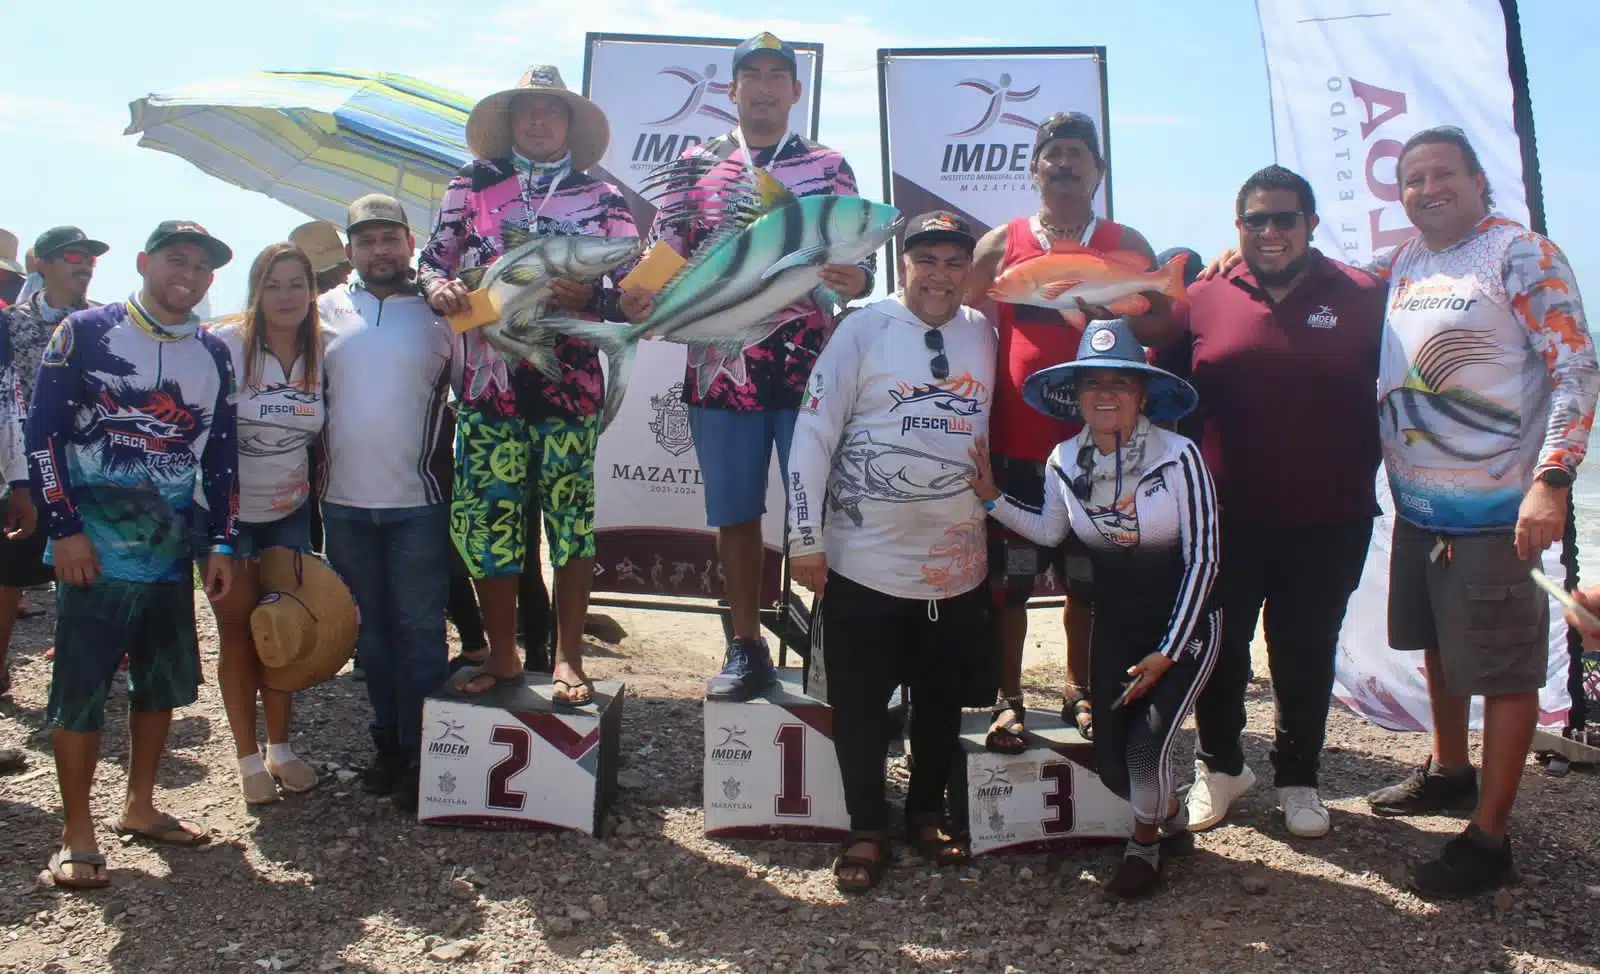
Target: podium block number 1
(1058,799)
(792,800)
(520,741)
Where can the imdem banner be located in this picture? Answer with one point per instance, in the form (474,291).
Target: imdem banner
(1348,88)
(663,95)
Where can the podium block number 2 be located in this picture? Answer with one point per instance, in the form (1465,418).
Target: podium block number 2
(1059,799)
(521,743)
(792,800)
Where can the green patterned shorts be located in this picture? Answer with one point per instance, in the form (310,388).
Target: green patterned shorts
(501,464)
(152,622)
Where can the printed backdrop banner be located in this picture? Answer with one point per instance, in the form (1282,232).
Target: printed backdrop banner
(958,129)
(1348,88)
(663,95)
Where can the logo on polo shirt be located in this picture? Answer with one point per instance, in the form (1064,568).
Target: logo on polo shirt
(1322,318)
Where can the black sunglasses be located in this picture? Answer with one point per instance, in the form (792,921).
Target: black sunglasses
(1083,483)
(934,339)
(1283,220)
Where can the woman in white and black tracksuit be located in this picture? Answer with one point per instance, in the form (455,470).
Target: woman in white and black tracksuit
(1142,501)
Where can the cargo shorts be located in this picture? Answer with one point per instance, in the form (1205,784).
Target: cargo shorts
(1473,601)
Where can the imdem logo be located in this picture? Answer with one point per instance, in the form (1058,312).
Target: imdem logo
(981,154)
(654,148)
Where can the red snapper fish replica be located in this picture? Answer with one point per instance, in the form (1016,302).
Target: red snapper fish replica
(1069,273)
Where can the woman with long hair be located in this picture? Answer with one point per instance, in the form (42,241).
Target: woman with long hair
(277,360)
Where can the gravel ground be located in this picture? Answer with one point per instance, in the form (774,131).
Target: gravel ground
(336,881)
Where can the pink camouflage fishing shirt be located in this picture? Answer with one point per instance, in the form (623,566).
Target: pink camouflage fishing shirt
(479,203)
(776,370)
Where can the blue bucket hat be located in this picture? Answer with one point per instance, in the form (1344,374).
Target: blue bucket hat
(1109,345)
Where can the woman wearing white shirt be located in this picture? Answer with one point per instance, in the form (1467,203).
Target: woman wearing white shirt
(277,360)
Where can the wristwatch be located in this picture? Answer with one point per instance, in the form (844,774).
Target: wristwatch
(1558,479)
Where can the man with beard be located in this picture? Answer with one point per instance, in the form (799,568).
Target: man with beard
(1067,167)
(904,571)
(132,416)
(386,481)
(1283,345)
(742,407)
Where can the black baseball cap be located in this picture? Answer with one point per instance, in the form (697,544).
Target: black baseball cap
(57,239)
(1070,125)
(765,43)
(171,232)
(939,226)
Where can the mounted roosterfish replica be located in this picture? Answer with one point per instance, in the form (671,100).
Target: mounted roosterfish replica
(1069,273)
(766,254)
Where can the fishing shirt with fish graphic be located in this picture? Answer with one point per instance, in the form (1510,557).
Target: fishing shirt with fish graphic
(128,418)
(1488,376)
(479,204)
(773,373)
(878,467)
(1152,499)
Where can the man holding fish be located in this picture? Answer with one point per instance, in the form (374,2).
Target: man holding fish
(527,226)
(1048,274)
(750,362)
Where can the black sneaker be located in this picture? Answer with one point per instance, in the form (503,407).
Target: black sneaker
(1426,791)
(405,790)
(381,777)
(1135,880)
(1466,866)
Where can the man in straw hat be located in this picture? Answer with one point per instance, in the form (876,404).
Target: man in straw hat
(386,448)
(320,240)
(737,425)
(532,146)
(132,416)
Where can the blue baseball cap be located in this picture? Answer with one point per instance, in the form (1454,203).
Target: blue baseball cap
(765,43)
(1109,345)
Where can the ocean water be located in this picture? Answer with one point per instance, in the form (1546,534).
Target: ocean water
(1586,498)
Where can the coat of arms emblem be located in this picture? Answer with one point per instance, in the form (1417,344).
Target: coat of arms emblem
(671,425)
(447,783)
(731,788)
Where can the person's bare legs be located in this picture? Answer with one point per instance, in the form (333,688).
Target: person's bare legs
(573,583)
(77,755)
(238,667)
(1508,725)
(1013,633)
(148,735)
(740,549)
(497,601)
(10,602)
(1078,619)
(1449,718)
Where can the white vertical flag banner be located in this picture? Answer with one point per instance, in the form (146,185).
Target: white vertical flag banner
(663,95)
(1350,81)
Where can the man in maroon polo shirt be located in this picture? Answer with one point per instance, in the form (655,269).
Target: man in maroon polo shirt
(1284,352)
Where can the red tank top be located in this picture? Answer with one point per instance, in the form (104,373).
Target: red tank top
(1032,339)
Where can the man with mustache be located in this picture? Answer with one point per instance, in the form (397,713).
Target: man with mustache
(736,425)
(1285,344)
(132,417)
(1487,354)
(65,257)
(386,481)
(1067,167)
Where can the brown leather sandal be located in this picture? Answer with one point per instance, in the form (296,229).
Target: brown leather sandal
(873,867)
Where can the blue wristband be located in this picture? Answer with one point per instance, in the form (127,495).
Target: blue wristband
(222,549)
(989,505)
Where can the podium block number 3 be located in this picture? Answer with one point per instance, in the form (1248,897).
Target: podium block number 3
(792,800)
(520,741)
(1059,799)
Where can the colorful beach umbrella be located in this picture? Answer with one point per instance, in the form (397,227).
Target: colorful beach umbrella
(315,140)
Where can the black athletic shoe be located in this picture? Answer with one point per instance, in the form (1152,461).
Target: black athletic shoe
(1466,866)
(1135,880)
(1427,791)
(405,790)
(381,777)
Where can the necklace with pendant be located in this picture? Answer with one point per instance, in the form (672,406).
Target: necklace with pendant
(1062,233)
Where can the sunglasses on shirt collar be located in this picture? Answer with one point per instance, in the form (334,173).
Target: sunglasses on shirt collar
(934,339)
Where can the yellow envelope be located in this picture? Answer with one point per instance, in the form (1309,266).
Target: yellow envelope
(657,268)
(481,310)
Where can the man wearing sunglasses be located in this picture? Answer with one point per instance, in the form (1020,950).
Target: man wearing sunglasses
(65,258)
(1284,353)
(883,528)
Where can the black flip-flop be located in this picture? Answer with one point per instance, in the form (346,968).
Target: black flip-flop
(462,661)
(564,699)
(500,682)
(61,859)
(168,830)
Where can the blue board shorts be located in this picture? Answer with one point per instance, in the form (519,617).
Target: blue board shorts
(735,452)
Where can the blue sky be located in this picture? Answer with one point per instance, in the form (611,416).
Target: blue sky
(1188,97)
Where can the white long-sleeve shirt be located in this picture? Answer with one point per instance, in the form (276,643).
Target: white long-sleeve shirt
(1164,500)
(879,466)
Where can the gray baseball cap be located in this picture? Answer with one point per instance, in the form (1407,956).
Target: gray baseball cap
(375,208)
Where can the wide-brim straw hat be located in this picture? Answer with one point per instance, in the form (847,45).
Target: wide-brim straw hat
(320,241)
(489,125)
(306,622)
(8,253)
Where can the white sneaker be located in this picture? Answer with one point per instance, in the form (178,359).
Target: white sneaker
(1212,794)
(1303,812)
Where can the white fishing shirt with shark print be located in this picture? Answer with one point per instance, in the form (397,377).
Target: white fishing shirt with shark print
(879,465)
(1488,376)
